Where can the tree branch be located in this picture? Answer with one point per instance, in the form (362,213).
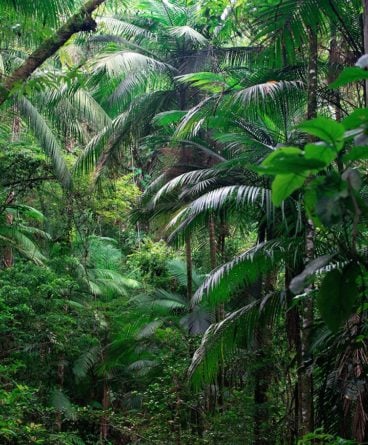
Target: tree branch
(81,21)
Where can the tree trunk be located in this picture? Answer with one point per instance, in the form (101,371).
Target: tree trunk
(104,425)
(332,70)
(81,21)
(16,127)
(305,375)
(212,240)
(262,382)
(293,332)
(60,377)
(188,257)
(365,44)
(8,255)
(220,307)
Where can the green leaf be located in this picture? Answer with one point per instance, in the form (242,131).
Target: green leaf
(168,118)
(325,199)
(325,129)
(281,152)
(287,159)
(348,75)
(356,153)
(337,296)
(323,153)
(284,185)
(208,81)
(356,119)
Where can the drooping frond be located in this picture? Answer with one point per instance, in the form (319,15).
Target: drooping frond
(244,269)
(13,236)
(222,339)
(115,26)
(86,362)
(178,269)
(188,34)
(232,199)
(46,139)
(61,402)
(49,11)
(118,62)
(110,142)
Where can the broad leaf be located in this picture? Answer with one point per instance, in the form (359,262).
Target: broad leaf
(356,153)
(325,129)
(284,185)
(337,296)
(286,160)
(356,119)
(322,153)
(351,74)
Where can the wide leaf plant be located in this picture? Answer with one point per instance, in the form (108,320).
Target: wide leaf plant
(327,178)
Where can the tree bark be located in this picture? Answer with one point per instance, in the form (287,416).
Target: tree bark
(305,375)
(333,64)
(220,308)
(82,21)
(212,239)
(293,332)
(8,256)
(262,371)
(60,378)
(104,425)
(188,257)
(262,377)
(365,44)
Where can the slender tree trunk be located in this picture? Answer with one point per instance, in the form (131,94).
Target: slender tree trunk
(16,127)
(312,75)
(8,256)
(305,375)
(220,308)
(60,377)
(293,332)
(213,244)
(81,21)
(262,382)
(196,421)
(188,258)
(104,424)
(262,373)
(365,44)
(332,71)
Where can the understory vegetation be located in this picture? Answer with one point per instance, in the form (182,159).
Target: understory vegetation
(183,222)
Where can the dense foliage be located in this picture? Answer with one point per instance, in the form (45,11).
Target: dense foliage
(183,210)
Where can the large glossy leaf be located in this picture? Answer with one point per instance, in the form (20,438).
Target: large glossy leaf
(337,296)
(349,75)
(284,185)
(356,119)
(325,129)
(356,153)
(289,159)
(321,152)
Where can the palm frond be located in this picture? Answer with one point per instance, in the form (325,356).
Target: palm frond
(222,339)
(46,139)
(188,34)
(244,269)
